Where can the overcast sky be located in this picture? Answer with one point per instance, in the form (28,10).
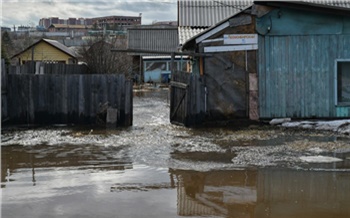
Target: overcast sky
(28,12)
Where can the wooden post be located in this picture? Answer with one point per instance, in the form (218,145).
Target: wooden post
(172,63)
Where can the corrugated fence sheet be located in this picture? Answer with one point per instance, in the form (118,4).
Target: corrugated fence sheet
(206,13)
(296,74)
(155,39)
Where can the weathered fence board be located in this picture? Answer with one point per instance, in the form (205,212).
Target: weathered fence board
(187,101)
(4,114)
(54,98)
(48,68)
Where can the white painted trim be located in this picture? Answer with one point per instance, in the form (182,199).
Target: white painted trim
(230,48)
(212,32)
(212,40)
(240,39)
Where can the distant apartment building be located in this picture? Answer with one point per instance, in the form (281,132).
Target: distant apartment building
(100,21)
(117,20)
(5,29)
(47,22)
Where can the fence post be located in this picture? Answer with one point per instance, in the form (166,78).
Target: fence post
(4,114)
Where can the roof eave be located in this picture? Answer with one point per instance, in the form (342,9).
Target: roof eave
(21,52)
(192,41)
(307,6)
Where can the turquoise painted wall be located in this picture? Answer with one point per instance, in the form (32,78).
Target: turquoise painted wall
(296,22)
(297,64)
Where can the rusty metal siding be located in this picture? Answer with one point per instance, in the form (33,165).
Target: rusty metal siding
(155,39)
(296,74)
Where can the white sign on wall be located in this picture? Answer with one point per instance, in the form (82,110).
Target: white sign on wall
(240,39)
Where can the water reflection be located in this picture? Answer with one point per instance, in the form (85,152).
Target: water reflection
(263,193)
(80,157)
(253,193)
(155,169)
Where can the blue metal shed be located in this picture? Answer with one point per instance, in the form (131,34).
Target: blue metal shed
(304,60)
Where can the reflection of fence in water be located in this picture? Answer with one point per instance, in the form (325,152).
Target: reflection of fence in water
(219,193)
(263,193)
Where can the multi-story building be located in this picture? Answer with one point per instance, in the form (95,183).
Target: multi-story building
(117,20)
(72,21)
(100,21)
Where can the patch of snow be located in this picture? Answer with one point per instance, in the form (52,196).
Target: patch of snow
(316,150)
(340,126)
(320,159)
(279,121)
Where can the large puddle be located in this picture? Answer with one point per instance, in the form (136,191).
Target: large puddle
(155,169)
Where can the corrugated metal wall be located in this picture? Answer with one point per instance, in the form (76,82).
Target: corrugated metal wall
(296,74)
(205,13)
(156,39)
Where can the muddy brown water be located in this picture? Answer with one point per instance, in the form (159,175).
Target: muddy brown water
(155,169)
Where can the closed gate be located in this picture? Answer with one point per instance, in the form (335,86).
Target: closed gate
(187,99)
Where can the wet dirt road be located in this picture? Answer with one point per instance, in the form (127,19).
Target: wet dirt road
(155,169)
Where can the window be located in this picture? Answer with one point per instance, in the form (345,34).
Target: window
(343,82)
(156,66)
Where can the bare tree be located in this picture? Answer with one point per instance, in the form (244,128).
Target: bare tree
(99,58)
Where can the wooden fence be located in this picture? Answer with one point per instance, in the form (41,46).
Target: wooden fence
(68,98)
(188,99)
(4,114)
(48,68)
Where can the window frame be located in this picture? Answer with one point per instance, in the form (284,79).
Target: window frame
(336,83)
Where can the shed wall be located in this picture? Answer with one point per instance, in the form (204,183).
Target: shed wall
(296,75)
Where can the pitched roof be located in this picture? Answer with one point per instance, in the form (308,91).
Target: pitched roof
(219,26)
(336,3)
(70,26)
(206,13)
(326,6)
(53,43)
(186,33)
(323,6)
(195,16)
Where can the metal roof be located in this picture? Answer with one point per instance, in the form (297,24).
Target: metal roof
(336,3)
(324,6)
(153,38)
(60,46)
(330,6)
(70,26)
(53,43)
(186,33)
(206,13)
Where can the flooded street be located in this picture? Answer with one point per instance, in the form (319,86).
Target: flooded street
(155,169)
